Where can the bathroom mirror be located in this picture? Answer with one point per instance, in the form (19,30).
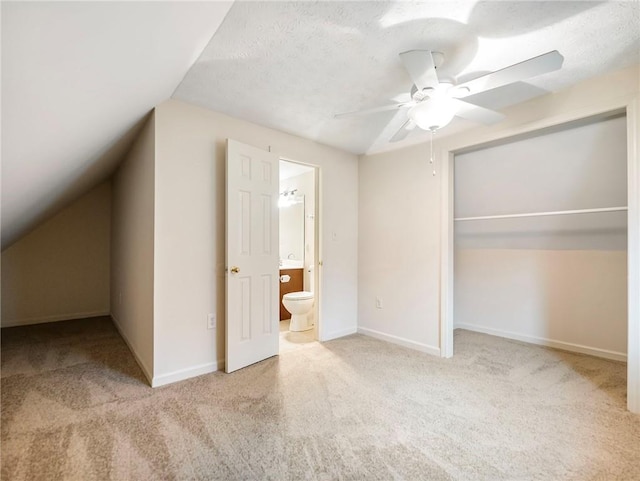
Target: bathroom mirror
(292,230)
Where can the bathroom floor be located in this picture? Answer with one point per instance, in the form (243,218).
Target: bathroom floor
(290,341)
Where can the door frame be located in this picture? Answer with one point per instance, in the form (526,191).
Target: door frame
(629,105)
(317,268)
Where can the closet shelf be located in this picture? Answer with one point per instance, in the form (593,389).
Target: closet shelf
(542,214)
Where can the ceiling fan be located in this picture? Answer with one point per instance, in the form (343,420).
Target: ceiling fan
(434,103)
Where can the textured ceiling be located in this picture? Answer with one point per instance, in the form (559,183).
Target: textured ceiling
(293,65)
(77,80)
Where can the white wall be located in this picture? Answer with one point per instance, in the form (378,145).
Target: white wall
(60,270)
(132,247)
(305,185)
(576,168)
(554,280)
(382,267)
(291,231)
(190,233)
(398,248)
(574,300)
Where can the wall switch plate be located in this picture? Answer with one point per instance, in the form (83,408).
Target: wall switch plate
(211,321)
(378,303)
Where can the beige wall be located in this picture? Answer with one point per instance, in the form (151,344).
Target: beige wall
(398,248)
(569,299)
(410,255)
(60,270)
(132,247)
(558,280)
(190,233)
(575,168)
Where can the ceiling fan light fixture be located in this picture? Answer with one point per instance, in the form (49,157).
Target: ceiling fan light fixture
(433,113)
(434,101)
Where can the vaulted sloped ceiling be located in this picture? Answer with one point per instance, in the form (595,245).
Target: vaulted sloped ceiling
(78,79)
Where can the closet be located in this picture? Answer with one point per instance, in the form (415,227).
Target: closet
(541,239)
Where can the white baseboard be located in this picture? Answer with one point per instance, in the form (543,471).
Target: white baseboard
(145,370)
(435,351)
(340,333)
(56,318)
(183,374)
(541,341)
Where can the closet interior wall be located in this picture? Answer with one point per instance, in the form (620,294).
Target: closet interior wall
(558,280)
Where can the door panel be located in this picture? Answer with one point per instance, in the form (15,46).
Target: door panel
(252,279)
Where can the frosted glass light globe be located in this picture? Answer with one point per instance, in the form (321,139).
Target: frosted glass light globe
(433,113)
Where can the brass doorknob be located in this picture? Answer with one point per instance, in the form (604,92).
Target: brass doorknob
(235,270)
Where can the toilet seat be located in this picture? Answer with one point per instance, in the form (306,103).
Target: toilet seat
(298,296)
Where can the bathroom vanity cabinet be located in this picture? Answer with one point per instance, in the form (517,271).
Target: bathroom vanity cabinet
(295,284)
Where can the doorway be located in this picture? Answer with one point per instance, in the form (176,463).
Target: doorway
(298,255)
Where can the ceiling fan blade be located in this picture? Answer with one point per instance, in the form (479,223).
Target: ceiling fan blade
(421,68)
(476,113)
(403,131)
(383,108)
(533,67)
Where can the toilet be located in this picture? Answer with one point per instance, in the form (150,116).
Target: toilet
(299,304)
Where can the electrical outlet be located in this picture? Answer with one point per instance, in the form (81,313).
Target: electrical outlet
(211,321)
(378,303)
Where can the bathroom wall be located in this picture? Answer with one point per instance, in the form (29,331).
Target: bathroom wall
(291,229)
(305,183)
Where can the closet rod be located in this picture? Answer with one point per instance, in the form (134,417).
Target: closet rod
(540,214)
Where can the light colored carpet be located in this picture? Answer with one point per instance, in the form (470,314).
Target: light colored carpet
(75,407)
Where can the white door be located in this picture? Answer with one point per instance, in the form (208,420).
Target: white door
(253,283)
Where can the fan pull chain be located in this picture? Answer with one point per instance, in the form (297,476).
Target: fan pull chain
(431,152)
